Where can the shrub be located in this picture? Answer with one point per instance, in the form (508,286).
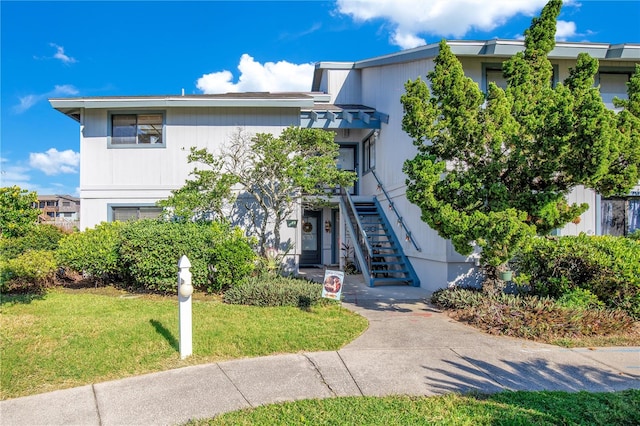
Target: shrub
(39,237)
(30,271)
(94,252)
(532,317)
(608,267)
(580,298)
(233,259)
(457,298)
(275,291)
(220,256)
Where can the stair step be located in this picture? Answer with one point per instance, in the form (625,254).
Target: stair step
(392,280)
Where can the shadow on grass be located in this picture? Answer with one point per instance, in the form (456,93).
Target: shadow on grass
(164,332)
(26,298)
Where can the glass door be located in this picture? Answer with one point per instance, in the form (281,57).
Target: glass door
(311,254)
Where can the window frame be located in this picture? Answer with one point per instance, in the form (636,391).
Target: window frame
(628,71)
(111,207)
(111,114)
(369,153)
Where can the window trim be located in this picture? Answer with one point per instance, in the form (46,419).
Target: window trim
(110,115)
(367,163)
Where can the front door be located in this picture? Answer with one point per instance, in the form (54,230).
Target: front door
(311,254)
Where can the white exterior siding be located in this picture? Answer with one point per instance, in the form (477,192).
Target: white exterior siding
(146,175)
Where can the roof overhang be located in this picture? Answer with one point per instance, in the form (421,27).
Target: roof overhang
(73,106)
(497,48)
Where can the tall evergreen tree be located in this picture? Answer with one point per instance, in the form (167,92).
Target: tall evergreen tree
(492,170)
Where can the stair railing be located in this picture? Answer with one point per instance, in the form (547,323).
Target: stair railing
(365,254)
(399,219)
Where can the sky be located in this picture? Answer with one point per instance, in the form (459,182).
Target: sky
(122,48)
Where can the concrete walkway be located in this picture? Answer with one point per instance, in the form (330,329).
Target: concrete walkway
(409,348)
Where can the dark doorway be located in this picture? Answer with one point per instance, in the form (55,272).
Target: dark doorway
(311,254)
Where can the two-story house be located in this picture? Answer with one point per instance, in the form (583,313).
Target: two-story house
(133,153)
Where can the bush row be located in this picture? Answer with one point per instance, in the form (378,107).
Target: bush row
(274,290)
(143,254)
(582,267)
(530,317)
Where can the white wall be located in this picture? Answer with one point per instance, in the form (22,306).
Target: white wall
(145,175)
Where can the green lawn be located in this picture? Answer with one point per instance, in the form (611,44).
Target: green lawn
(507,408)
(71,338)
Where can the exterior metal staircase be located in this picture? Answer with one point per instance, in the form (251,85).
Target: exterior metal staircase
(377,249)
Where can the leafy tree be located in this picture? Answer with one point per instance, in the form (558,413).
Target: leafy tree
(273,173)
(17,214)
(493,170)
(205,195)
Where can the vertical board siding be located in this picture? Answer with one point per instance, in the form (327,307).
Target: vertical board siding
(129,173)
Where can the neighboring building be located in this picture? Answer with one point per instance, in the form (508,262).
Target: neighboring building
(133,152)
(59,210)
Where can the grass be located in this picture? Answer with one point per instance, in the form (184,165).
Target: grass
(69,338)
(507,408)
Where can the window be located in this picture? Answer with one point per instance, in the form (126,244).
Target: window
(620,216)
(369,154)
(66,204)
(613,84)
(125,213)
(138,130)
(492,72)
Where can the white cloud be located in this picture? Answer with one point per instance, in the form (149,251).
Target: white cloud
(565,29)
(53,162)
(14,175)
(60,55)
(279,76)
(27,101)
(441,18)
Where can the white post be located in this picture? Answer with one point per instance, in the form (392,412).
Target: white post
(185,289)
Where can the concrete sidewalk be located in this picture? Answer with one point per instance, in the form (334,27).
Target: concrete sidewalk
(409,348)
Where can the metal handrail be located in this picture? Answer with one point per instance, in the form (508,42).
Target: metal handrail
(360,234)
(393,207)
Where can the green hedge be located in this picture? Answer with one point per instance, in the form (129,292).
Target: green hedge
(608,267)
(94,252)
(275,290)
(220,255)
(31,271)
(39,237)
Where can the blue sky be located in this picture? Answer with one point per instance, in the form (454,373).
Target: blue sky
(90,48)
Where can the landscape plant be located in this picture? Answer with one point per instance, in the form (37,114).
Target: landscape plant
(607,267)
(29,272)
(537,318)
(94,252)
(39,237)
(18,213)
(493,170)
(275,290)
(220,255)
(272,174)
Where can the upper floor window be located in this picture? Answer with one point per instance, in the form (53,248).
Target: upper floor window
(124,213)
(369,154)
(492,72)
(613,84)
(139,130)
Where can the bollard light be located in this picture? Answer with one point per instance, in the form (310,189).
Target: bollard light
(186,289)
